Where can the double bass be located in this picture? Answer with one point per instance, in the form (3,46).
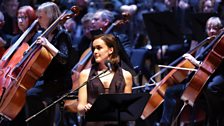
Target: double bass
(28,70)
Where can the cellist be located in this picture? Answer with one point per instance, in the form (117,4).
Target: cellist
(213,27)
(25,17)
(56,80)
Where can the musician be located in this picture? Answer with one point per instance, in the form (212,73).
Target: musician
(118,80)
(56,80)
(87,37)
(213,27)
(25,17)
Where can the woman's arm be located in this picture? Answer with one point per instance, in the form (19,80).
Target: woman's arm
(43,41)
(128,81)
(83,106)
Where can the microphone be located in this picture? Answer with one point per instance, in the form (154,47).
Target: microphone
(108,64)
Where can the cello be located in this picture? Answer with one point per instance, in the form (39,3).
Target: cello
(28,70)
(13,55)
(208,67)
(173,77)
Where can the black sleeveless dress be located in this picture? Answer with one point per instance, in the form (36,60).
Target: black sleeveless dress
(95,87)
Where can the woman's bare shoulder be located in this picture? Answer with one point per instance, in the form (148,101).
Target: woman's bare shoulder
(126,74)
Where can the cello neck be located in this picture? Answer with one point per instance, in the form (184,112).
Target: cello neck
(82,62)
(109,29)
(208,47)
(19,41)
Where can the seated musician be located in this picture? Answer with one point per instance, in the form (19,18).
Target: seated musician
(25,17)
(214,85)
(57,78)
(118,80)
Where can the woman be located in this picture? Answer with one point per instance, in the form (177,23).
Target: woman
(25,17)
(118,80)
(56,80)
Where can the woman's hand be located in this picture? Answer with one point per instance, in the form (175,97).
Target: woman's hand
(83,108)
(87,107)
(191,59)
(44,42)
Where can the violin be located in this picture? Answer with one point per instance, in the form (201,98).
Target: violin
(32,66)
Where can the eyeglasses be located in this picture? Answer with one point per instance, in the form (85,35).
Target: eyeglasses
(22,18)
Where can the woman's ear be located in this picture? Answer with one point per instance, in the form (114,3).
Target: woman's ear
(111,50)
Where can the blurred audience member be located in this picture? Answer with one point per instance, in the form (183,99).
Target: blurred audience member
(74,30)
(9,9)
(3,37)
(207,6)
(86,37)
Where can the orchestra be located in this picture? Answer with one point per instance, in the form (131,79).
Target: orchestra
(58,56)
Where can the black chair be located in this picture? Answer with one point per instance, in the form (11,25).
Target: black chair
(138,57)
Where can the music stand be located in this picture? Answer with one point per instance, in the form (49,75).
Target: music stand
(198,25)
(162,28)
(117,107)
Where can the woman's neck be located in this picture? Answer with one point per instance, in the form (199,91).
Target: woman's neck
(101,67)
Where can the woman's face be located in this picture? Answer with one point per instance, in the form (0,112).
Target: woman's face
(43,19)
(208,7)
(23,20)
(101,51)
(212,29)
